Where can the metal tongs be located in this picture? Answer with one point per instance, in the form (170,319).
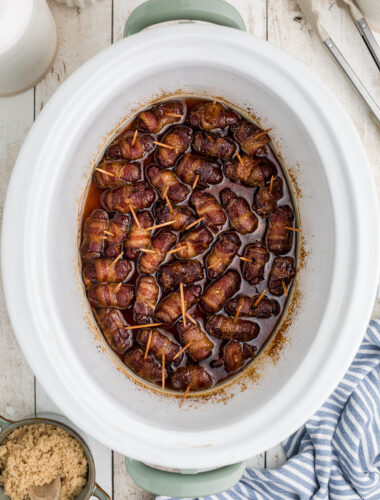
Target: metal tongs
(312,16)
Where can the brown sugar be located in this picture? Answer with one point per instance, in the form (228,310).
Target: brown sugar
(35,454)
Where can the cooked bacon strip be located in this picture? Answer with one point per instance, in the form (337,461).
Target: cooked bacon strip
(248,136)
(209,116)
(156,118)
(280,239)
(217,294)
(235,354)
(223,327)
(255,172)
(264,309)
(102,271)
(214,145)
(112,325)
(93,235)
(194,376)
(165,181)
(120,199)
(179,138)
(114,242)
(208,171)
(241,217)
(161,243)
(138,237)
(104,295)
(148,368)
(146,299)
(206,205)
(180,271)
(283,270)
(160,344)
(124,147)
(253,271)
(120,172)
(201,346)
(265,199)
(195,242)
(182,216)
(223,253)
(169,309)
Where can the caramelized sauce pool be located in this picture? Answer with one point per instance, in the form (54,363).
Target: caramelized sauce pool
(267,325)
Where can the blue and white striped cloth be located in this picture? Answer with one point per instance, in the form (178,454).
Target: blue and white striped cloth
(336,455)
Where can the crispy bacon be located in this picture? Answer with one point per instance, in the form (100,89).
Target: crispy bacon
(160,344)
(217,294)
(179,271)
(138,237)
(201,346)
(146,299)
(283,271)
(247,135)
(206,205)
(103,271)
(120,199)
(179,138)
(161,243)
(223,253)
(223,327)
(195,242)
(93,235)
(265,199)
(113,327)
(156,118)
(254,172)
(182,216)
(169,309)
(208,171)
(209,116)
(119,172)
(279,238)
(241,217)
(118,228)
(235,354)
(194,375)
(214,145)
(253,271)
(104,295)
(148,368)
(246,305)
(122,147)
(166,181)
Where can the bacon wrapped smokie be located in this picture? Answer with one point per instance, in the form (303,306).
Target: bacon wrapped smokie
(104,271)
(191,165)
(207,206)
(217,294)
(160,344)
(210,115)
(182,216)
(241,217)
(194,243)
(111,295)
(249,136)
(180,271)
(235,354)
(223,327)
(164,180)
(280,239)
(113,326)
(246,305)
(138,237)
(120,199)
(194,375)
(170,309)
(265,199)
(223,253)
(161,243)
(179,139)
(146,299)
(253,271)
(148,368)
(123,148)
(115,237)
(252,171)
(156,118)
(282,272)
(201,346)
(93,235)
(119,172)
(214,145)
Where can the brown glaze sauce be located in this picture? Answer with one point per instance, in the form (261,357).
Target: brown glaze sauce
(267,325)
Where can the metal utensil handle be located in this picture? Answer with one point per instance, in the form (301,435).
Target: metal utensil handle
(350,73)
(369,40)
(4,422)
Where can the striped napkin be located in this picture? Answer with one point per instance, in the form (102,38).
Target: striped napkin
(336,455)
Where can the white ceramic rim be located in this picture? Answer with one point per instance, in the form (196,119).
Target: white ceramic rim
(80,404)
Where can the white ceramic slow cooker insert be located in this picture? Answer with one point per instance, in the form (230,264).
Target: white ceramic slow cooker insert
(338,213)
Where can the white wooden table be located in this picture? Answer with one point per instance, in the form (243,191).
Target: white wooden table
(84,32)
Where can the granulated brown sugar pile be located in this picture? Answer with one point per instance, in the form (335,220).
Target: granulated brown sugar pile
(36,454)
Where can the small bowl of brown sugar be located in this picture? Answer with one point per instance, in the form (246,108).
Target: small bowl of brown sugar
(37,451)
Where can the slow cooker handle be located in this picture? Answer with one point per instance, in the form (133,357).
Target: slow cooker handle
(187,483)
(159,11)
